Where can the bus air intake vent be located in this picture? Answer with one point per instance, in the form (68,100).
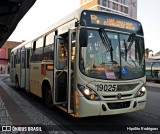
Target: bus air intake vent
(115,96)
(126,87)
(119,105)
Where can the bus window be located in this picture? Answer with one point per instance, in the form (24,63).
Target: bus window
(23,57)
(38,50)
(156,70)
(48,53)
(148,69)
(18,56)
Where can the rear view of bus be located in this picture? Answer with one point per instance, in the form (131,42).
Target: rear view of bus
(111,75)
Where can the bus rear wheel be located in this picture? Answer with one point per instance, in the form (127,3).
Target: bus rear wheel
(17,84)
(48,98)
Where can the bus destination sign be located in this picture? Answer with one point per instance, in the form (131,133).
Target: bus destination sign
(111,21)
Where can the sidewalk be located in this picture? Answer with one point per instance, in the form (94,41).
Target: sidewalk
(15,110)
(151,84)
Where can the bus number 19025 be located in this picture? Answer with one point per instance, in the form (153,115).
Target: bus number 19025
(105,87)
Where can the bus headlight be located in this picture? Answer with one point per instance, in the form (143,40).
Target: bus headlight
(141,92)
(88,93)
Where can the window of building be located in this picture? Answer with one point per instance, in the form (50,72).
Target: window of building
(109,4)
(123,2)
(99,2)
(115,6)
(126,10)
(116,0)
(104,3)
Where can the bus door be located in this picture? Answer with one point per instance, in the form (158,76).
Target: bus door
(22,68)
(62,72)
(27,66)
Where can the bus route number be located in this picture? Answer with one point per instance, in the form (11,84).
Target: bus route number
(105,87)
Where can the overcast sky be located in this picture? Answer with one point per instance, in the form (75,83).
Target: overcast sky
(46,12)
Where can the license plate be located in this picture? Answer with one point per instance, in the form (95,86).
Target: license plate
(106,87)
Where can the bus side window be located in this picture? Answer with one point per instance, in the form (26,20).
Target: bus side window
(37,53)
(156,70)
(18,56)
(48,53)
(33,51)
(14,61)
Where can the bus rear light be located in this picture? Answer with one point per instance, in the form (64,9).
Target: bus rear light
(88,93)
(43,69)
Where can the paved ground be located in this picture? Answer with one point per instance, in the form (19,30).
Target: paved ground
(15,110)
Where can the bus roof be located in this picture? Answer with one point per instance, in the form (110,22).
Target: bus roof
(74,15)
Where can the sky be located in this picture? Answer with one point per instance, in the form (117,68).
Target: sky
(44,13)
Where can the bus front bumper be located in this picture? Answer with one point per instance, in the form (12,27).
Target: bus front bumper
(86,107)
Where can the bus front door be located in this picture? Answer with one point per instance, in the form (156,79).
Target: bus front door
(62,72)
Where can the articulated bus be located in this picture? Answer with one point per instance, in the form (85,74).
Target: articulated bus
(90,63)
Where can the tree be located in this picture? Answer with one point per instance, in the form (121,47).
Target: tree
(147,50)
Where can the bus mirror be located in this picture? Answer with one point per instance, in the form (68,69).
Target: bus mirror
(83,39)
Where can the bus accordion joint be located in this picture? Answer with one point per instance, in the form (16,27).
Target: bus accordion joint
(61,72)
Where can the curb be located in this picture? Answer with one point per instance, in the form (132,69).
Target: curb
(149,84)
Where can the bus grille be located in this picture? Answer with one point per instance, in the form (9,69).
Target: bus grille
(119,105)
(126,87)
(115,96)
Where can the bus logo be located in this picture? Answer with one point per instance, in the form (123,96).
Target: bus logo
(119,95)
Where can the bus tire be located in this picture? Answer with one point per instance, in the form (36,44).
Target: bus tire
(17,83)
(48,97)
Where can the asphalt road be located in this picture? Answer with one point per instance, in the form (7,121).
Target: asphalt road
(147,118)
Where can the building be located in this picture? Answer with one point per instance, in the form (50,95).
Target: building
(5,52)
(123,7)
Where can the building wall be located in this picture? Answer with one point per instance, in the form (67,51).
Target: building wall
(5,54)
(124,7)
(88,3)
(9,45)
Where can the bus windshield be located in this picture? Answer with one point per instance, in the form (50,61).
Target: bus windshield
(112,55)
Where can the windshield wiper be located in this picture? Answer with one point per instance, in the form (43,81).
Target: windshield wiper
(106,41)
(131,40)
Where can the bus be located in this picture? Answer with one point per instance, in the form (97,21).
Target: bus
(90,63)
(153,70)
